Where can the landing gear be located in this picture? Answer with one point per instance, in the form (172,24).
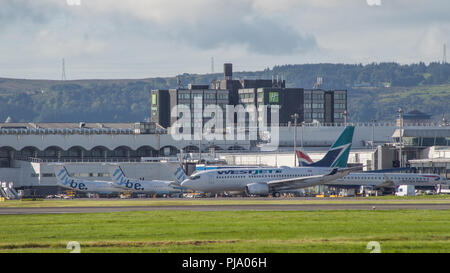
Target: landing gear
(276,194)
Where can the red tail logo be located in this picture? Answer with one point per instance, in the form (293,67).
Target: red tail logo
(303,157)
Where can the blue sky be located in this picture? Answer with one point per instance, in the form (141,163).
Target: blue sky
(143,38)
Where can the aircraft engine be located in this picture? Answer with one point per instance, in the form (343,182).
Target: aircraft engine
(257,189)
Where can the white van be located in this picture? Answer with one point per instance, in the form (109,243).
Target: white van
(405,190)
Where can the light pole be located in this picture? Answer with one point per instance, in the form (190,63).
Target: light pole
(295,117)
(400,116)
(200,149)
(345,113)
(303,124)
(373,132)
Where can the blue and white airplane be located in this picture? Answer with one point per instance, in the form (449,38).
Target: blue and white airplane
(264,181)
(120,183)
(64,180)
(158,187)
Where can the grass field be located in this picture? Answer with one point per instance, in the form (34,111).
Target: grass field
(228,201)
(229,231)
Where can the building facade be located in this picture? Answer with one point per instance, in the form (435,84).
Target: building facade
(325,106)
(289,101)
(311,105)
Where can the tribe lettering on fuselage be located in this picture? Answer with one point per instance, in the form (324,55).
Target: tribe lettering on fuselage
(123,181)
(68,182)
(249,171)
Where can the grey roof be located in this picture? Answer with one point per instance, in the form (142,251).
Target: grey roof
(68,125)
(422,132)
(429,160)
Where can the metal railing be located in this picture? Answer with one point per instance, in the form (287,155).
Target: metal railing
(129,131)
(67,131)
(77,160)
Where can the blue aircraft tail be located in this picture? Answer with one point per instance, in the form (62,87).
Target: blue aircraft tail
(179,175)
(117,175)
(337,156)
(62,175)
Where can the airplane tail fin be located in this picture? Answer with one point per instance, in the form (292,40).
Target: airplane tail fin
(62,175)
(337,155)
(117,175)
(303,158)
(179,175)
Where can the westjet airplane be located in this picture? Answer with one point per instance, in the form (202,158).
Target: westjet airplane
(64,180)
(263,181)
(378,179)
(158,187)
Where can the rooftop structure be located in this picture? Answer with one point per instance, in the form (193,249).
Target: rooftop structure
(316,105)
(423,138)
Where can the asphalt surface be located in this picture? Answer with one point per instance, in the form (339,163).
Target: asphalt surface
(256,207)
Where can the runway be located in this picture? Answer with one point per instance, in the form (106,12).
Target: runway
(255,207)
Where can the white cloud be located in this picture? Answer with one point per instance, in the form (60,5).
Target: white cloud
(430,44)
(176,36)
(50,44)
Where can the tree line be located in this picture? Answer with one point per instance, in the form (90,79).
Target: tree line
(372,92)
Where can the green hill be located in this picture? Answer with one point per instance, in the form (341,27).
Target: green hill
(382,103)
(415,86)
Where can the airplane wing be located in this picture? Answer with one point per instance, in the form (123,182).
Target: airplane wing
(114,185)
(309,181)
(176,186)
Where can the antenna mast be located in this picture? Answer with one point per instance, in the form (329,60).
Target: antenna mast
(444,58)
(63,74)
(179,85)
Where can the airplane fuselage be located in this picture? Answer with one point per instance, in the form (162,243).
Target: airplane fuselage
(144,186)
(237,179)
(377,179)
(90,186)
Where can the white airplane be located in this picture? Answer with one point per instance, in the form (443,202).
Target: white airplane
(263,181)
(159,187)
(388,180)
(379,179)
(64,180)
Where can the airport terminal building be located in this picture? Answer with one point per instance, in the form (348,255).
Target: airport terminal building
(147,150)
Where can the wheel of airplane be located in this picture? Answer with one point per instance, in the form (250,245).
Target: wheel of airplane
(276,194)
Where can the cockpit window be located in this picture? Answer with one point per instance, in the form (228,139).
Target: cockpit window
(194,177)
